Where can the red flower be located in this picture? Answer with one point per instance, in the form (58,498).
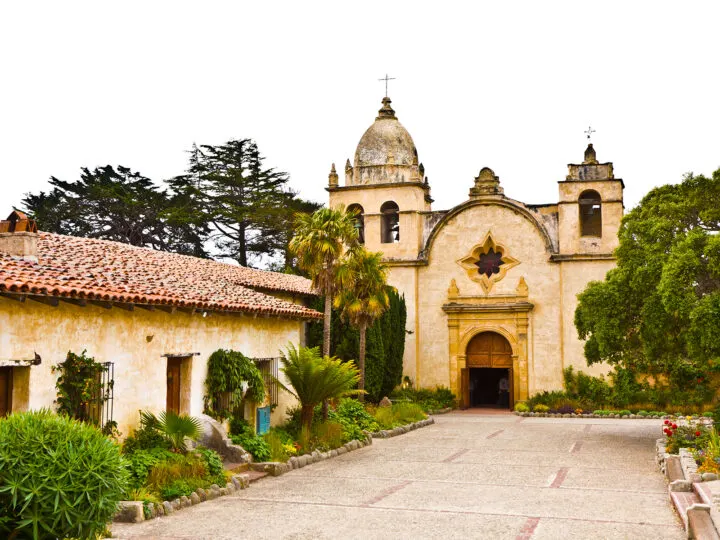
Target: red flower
(697,433)
(667,422)
(674,426)
(700,379)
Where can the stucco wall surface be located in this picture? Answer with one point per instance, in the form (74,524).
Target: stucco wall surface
(522,240)
(135,342)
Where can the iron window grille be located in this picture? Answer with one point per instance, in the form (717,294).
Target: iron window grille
(269,369)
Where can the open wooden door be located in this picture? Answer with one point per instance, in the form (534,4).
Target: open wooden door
(464,388)
(173,385)
(5,390)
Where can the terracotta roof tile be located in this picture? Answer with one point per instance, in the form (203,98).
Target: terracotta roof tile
(101,270)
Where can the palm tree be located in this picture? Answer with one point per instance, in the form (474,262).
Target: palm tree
(362,295)
(318,243)
(315,379)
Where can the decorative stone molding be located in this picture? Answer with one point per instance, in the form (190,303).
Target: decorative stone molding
(475,264)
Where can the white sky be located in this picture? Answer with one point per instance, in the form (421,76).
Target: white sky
(509,85)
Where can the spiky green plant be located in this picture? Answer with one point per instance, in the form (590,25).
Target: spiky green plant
(316,378)
(174,427)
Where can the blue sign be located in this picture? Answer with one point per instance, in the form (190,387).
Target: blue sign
(263,420)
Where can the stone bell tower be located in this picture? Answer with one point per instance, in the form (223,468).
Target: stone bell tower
(590,208)
(385,184)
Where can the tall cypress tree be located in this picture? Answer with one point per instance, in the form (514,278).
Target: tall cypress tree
(385,345)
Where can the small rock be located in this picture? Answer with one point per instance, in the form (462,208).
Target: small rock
(293,462)
(214,486)
(176,504)
(194,498)
(302,461)
(333,453)
(385,402)
(230,487)
(316,455)
(384,434)
(243,480)
(211,494)
(167,507)
(202,494)
(709,477)
(159,509)
(342,450)
(185,502)
(694,477)
(223,492)
(129,512)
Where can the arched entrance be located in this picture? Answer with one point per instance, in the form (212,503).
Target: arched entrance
(488,376)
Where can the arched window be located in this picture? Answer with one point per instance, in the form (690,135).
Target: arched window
(390,227)
(357,214)
(590,213)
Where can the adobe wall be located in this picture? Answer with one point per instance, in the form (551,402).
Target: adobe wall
(135,341)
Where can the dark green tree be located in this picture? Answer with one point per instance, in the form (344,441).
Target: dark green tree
(657,312)
(242,200)
(113,204)
(385,345)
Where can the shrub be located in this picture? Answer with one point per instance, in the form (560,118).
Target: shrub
(58,477)
(354,419)
(522,407)
(399,414)
(541,408)
(213,461)
(328,435)
(624,412)
(551,399)
(141,462)
(254,444)
(429,399)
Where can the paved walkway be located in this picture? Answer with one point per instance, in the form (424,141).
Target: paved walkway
(467,476)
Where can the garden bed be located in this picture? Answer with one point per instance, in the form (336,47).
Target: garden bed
(137,511)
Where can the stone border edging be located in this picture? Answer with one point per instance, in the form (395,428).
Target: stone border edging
(441,411)
(134,511)
(277,468)
(386,433)
(591,415)
(681,472)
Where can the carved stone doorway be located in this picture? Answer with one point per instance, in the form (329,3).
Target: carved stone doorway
(489,359)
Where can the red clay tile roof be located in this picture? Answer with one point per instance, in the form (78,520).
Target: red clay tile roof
(110,271)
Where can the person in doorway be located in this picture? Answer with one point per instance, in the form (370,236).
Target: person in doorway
(504,391)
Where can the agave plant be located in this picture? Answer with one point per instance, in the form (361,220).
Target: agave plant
(174,427)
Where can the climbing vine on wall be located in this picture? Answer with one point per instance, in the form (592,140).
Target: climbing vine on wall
(231,378)
(79,387)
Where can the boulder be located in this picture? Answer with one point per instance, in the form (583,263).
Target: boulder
(385,402)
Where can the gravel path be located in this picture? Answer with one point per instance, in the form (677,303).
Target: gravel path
(466,476)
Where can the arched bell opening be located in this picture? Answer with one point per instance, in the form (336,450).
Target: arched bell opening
(390,226)
(590,213)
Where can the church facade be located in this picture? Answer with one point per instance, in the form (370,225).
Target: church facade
(491,285)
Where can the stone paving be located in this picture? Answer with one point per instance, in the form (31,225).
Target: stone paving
(466,476)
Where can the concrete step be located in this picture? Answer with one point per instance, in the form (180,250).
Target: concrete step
(256,475)
(682,500)
(236,467)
